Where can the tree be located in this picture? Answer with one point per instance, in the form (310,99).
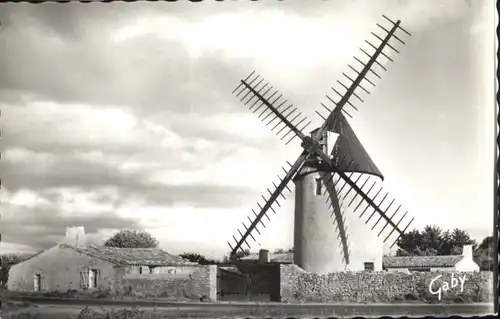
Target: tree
(132,239)
(283,251)
(192,257)
(484,253)
(409,242)
(7,261)
(432,240)
(460,238)
(243,253)
(197,258)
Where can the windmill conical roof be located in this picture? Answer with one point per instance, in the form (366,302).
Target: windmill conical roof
(349,147)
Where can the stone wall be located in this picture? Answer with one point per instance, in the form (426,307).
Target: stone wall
(195,282)
(300,286)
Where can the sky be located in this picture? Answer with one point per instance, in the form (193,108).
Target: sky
(120,115)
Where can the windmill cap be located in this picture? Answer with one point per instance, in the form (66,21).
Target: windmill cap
(314,131)
(348,152)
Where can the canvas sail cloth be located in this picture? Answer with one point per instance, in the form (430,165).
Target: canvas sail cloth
(346,147)
(364,245)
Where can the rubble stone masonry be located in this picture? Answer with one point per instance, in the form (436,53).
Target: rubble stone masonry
(193,283)
(370,287)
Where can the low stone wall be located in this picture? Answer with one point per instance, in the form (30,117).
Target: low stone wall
(189,283)
(300,286)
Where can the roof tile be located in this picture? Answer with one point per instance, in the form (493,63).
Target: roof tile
(132,256)
(420,261)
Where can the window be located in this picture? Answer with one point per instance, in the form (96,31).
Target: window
(37,282)
(84,279)
(322,143)
(318,186)
(145,270)
(151,270)
(89,279)
(369,266)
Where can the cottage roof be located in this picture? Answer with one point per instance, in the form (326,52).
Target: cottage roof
(421,261)
(131,256)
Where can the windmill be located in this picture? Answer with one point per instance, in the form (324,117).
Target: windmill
(321,169)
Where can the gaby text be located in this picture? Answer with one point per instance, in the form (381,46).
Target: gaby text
(436,289)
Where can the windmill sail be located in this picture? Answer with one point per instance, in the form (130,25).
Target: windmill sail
(362,75)
(337,214)
(268,203)
(348,145)
(271,108)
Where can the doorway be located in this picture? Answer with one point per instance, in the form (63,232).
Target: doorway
(37,282)
(93,278)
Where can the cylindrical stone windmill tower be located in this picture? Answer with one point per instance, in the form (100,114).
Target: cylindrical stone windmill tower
(314,248)
(317,248)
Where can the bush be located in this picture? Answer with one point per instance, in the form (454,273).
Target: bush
(88,313)
(411,296)
(133,313)
(101,294)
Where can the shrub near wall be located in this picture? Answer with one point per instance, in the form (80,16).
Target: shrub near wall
(195,283)
(300,286)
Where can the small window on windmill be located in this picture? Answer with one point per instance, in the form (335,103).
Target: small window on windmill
(322,142)
(37,282)
(369,266)
(318,185)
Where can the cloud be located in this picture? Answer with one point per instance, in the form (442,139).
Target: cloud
(42,172)
(158,68)
(147,74)
(39,221)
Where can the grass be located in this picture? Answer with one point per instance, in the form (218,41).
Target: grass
(125,313)
(419,296)
(136,313)
(105,294)
(207,313)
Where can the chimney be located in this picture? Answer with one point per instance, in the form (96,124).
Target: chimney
(467,252)
(263,256)
(75,236)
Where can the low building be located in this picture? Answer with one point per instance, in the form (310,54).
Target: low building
(72,265)
(449,263)
(264,257)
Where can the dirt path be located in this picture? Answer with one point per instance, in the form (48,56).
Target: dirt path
(216,310)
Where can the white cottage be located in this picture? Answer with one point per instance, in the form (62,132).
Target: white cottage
(449,263)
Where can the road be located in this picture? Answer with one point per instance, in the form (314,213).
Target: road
(55,307)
